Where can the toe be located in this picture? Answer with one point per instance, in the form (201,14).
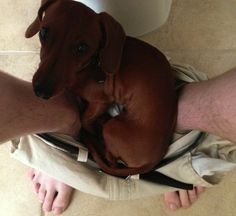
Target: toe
(200,189)
(52,193)
(58,210)
(41,194)
(184,199)
(48,201)
(62,199)
(36,183)
(176,200)
(172,200)
(192,194)
(36,187)
(31,174)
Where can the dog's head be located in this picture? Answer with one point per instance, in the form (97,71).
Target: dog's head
(71,34)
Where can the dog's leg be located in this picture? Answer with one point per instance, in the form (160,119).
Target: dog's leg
(131,142)
(93,111)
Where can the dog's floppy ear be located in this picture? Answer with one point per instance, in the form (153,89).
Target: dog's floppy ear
(113,42)
(35,26)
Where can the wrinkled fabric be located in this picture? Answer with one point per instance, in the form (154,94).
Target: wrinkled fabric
(205,165)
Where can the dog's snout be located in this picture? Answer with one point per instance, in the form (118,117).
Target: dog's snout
(42,92)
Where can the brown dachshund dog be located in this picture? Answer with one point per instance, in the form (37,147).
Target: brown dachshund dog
(89,55)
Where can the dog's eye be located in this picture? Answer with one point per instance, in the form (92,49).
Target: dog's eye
(43,34)
(81,49)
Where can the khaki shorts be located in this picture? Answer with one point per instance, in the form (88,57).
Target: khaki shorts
(86,176)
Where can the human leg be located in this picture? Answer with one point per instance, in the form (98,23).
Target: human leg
(23,114)
(210,106)
(206,106)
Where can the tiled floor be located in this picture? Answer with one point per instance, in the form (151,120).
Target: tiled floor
(201,33)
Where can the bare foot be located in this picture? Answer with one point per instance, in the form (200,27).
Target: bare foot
(55,196)
(182,199)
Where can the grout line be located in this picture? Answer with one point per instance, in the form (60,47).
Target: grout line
(16,52)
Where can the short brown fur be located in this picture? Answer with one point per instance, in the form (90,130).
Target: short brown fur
(128,71)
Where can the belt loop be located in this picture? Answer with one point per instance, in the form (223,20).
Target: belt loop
(82,155)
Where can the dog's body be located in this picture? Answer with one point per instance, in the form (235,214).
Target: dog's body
(125,71)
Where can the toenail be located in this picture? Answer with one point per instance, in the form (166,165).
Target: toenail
(46,209)
(57,210)
(173,206)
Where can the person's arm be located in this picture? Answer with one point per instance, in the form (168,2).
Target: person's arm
(23,113)
(210,106)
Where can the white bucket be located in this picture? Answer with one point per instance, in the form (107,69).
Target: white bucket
(138,17)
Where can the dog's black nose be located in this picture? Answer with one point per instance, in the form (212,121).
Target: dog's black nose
(42,92)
